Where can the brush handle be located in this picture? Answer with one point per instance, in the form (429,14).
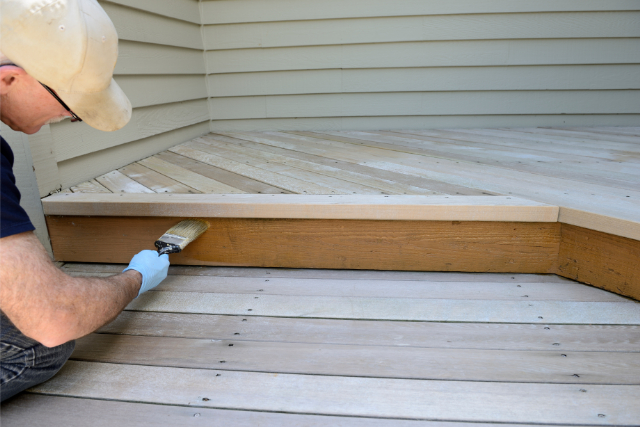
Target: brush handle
(167,248)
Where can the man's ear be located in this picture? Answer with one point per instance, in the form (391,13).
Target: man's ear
(9,76)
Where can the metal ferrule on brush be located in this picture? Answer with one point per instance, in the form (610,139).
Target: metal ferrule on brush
(180,235)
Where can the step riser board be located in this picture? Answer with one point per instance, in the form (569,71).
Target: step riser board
(467,246)
(599,259)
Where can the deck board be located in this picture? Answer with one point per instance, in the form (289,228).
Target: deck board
(578,365)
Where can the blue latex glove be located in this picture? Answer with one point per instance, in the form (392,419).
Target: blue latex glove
(153,268)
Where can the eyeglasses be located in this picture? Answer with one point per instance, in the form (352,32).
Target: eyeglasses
(74,117)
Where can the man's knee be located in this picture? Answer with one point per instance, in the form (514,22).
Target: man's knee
(24,368)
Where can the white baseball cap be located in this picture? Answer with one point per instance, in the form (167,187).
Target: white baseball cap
(72,47)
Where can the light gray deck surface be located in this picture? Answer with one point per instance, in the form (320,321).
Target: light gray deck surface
(276,347)
(588,170)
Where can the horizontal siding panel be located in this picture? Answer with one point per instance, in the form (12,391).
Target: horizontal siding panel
(235,11)
(568,77)
(146,58)
(429,103)
(77,139)
(145,90)
(419,28)
(141,26)
(85,167)
(185,10)
(428,54)
(423,122)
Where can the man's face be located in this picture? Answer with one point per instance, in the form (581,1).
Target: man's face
(25,105)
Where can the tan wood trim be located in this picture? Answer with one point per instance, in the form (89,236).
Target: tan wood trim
(356,207)
(514,247)
(603,260)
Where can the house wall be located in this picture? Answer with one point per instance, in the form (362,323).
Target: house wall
(162,70)
(381,64)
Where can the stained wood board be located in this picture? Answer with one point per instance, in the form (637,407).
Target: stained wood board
(30,409)
(600,259)
(406,309)
(570,291)
(384,245)
(437,400)
(405,207)
(561,367)
(487,336)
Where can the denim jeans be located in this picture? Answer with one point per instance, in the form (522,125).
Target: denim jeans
(25,362)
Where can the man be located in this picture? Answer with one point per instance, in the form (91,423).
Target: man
(57,62)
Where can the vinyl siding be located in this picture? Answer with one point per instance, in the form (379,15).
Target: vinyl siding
(341,64)
(161,68)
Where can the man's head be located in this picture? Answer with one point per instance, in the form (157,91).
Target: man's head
(71,47)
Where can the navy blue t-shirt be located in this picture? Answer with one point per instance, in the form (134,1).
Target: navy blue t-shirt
(13,219)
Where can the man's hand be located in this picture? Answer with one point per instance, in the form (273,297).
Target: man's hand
(153,268)
(52,307)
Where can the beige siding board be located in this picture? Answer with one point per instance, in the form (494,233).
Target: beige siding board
(418,28)
(147,58)
(186,10)
(430,103)
(145,90)
(85,167)
(421,122)
(568,77)
(74,140)
(44,161)
(141,26)
(428,54)
(236,11)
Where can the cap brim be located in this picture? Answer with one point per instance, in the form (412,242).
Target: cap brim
(108,110)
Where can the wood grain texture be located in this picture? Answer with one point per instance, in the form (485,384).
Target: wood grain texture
(351,244)
(154,180)
(242,11)
(117,182)
(599,259)
(354,207)
(37,409)
(469,401)
(551,366)
(488,336)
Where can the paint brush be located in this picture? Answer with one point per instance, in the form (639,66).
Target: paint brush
(180,235)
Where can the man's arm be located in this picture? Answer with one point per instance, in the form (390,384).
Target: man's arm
(50,306)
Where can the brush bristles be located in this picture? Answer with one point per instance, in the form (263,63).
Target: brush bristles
(185,232)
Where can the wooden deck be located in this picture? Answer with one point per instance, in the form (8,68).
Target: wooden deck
(593,174)
(279,347)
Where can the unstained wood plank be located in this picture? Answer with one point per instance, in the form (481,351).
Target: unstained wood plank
(117,182)
(373,397)
(488,336)
(551,366)
(91,186)
(570,291)
(433,310)
(187,177)
(154,180)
